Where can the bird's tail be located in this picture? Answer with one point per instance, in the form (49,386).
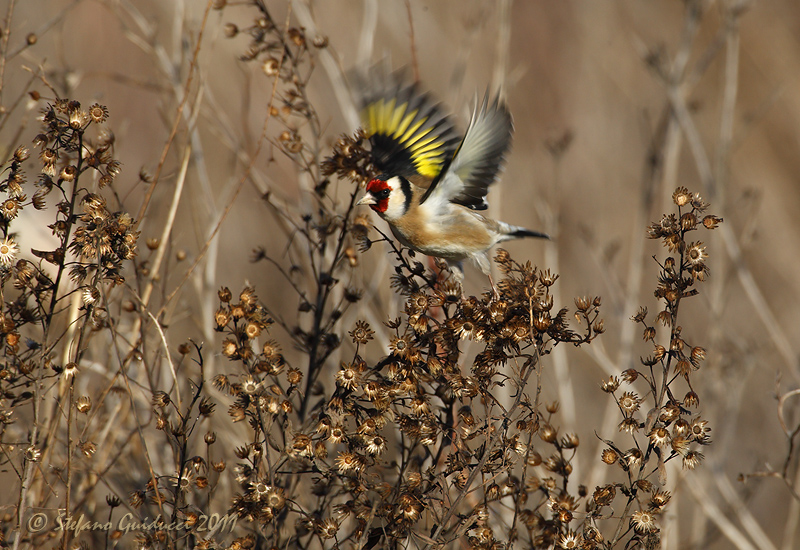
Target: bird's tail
(520,232)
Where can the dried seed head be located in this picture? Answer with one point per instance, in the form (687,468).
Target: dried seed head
(248,297)
(688,221)
(548,433)
(609,456)
(70,369)
(604,495)
(348,377)
(698,354)
(681,428)
(98,113)
(643,521)
(629,425)
(683,367)
(681,196)
(88,448)
(699,430)
(361,334)
(271,67)
(660,437)
(297,36)
(711,222)
(630,375)
(660,499)
(294,376)
(230,349)
(8,251)
(542,321)
(534,459)
(10,208)
(629,402)
(230,30)
(160,399)
(77,117)
(250,385)
(669,413)
(633,457)
(90,295)
(691,399)
(611,385)
(252,330)
(84,404)
(21,154)
(347,461)
(222,317)
(696,253)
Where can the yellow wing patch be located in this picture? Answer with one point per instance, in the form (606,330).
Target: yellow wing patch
(408,129)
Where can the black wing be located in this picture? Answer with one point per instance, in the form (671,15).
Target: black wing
(408,131)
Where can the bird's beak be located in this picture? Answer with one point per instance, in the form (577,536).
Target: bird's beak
(366,200)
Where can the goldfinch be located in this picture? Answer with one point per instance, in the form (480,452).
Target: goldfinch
(432,185)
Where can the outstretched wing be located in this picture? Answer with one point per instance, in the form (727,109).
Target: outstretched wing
(409,133)
(479,158)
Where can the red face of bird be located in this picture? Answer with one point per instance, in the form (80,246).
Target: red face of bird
(390,198)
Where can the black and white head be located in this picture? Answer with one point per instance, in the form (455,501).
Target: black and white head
(390,197)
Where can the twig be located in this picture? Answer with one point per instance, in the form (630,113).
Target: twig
(412,42)
(6,34)
(167,231)
(169,358)
(177,119)
(239,186)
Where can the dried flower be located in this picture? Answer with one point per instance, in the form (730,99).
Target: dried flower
(659,499)
(33,454)
(347,461)
(711,222)
(83,404)
(696,254)
(681,196)
(629,402)
(609,456)
(611,385)
(8,251)
(401,347)
(699,430)
(361,334)
(660,437)
(348,376)
(376,444)
(90,295)
(328,528)
(98,113)
(643,521)
(629,425)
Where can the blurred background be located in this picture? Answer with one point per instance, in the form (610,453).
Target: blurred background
(615,104)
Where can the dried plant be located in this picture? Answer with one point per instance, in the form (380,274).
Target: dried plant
(661,426)
(372,411)
(48,322)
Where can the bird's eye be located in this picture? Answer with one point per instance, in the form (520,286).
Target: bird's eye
(383,194)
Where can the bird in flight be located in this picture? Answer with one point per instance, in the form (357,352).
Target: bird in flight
(433,183)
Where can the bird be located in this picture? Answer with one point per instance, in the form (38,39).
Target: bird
(432,184)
